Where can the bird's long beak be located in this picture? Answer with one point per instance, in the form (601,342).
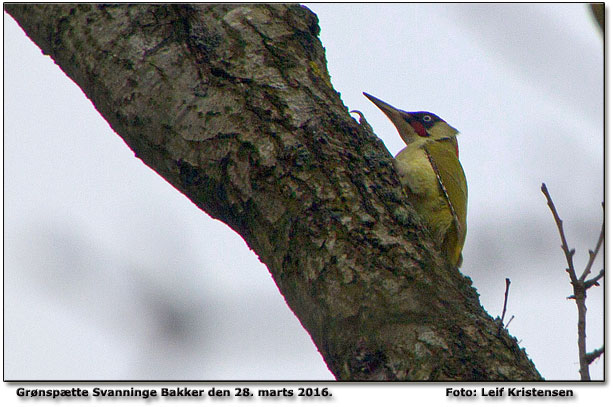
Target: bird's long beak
(400,118)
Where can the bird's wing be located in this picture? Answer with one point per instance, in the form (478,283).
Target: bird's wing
(451,179)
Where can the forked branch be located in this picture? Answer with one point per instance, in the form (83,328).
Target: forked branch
(580,287)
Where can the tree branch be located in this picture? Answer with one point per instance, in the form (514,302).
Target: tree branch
(594,281)
(233,105)
(592,356)
(504,306)
(580,286)
(593,254)
(569,253)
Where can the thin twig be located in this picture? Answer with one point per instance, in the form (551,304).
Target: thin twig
(509,323)
(579,290)
(504,307)
(593,254)
(506,297)
(567,252)
(594,281)
(595,354)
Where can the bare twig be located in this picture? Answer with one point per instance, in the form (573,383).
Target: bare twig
(363,122)
(567,252)
(504,307)
(594,281)
(509,323)
(593,254)
(580,287)
(506,297)
(595,354)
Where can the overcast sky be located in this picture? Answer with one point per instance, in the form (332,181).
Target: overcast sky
(110,273)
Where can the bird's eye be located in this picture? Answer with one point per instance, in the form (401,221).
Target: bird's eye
(427,118)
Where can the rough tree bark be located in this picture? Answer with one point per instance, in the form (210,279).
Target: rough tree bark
(233,105)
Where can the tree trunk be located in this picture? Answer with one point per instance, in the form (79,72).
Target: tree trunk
(233,105)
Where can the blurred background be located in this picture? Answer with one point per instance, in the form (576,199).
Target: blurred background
(111,274)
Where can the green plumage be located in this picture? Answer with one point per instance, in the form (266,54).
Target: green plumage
(430,171)
(452,182)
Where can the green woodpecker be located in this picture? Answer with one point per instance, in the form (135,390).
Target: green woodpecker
(430,170)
